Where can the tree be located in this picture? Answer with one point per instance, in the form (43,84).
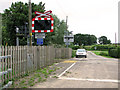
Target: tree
(85,39)
(77,39)
(17,16)
(57,36)
(103,40)
(93,40)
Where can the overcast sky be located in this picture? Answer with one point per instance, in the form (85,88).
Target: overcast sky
(97,17)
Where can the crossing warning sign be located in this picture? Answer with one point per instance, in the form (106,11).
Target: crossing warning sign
(40,24)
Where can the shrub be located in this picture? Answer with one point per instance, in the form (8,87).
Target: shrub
(87,47)
(115,52)
(103,54)
(103,47)
(73,53)
(118,51)
(75,47)
(112,47)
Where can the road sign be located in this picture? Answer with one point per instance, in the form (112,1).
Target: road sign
(69,38)
(39,41)
(39,35)
(40,24)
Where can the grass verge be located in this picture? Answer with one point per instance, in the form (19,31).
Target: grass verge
(102,53)
(31,79)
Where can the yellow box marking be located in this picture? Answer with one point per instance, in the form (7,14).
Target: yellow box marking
(69,61)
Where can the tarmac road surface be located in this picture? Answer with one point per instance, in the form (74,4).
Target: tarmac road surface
(91,72)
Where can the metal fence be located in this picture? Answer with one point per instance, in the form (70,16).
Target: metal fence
(5,71)
(24,62)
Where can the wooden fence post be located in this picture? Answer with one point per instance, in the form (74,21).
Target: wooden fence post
(21,64)
(35,57)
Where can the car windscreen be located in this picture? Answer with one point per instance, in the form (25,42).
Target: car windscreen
(81,50)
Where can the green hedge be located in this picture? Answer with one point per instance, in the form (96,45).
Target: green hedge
(103,47)
(114,52)
(118,52)
(87,47)
(100,47)
(75,47)
(103,54)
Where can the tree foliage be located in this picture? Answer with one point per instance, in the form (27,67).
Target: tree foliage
(103,40)
(57,36)
(17,16)
(85,39)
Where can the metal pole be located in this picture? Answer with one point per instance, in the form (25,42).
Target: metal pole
(30,23)
(17,41)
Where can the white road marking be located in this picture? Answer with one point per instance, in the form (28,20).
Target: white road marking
(66,70)
(96,80)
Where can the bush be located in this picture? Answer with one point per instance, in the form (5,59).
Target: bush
(115,52)
(87,47)
(103,54)
(103,47)
(73,53)
(118,52)
(75,47)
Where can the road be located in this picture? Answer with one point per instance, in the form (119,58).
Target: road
(91,72)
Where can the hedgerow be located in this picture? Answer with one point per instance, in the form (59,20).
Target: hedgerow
(114,52)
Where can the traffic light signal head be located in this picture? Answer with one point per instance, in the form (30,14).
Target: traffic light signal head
(42,25)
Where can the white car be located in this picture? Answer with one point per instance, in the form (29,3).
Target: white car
(81,52)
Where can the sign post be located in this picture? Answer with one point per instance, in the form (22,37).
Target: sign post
(68,39)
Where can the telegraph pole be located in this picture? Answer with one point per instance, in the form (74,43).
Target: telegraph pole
(30,24)
(115,39)
(66,30)
(29,50)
